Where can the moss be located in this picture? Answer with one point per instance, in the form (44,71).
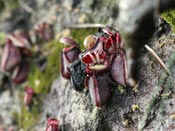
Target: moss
(80,34)
(16,117)
(2,5)
(29,118)
(2,38)
(41,80)
(121,89)
(169,16)
(12,4)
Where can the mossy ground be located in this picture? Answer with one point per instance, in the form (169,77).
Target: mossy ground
(41,81)
(2,38)
(169,16)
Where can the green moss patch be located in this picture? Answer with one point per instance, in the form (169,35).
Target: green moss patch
(169,16)
(41,81)
(2,38)
(80,34)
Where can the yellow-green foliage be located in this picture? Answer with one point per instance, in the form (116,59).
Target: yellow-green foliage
(2,38)
(8,5)
(41,81)
(169,16)
(80,34)
(12,4)
(29,117)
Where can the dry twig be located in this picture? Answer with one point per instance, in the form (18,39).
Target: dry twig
(87,25)
(152,52)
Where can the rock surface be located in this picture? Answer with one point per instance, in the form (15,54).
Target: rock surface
(150,106)
(154,98)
